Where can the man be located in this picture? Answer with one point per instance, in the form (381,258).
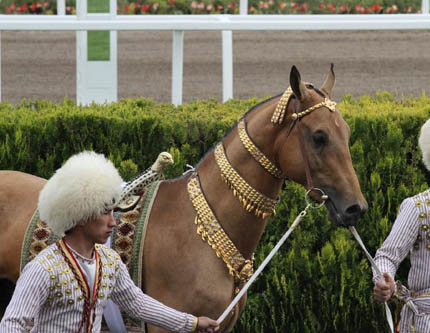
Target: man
(410,234)
(66,287)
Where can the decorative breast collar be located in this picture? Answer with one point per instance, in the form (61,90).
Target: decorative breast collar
(212,232)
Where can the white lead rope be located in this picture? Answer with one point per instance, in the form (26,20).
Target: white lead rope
(373,264)
(263,264)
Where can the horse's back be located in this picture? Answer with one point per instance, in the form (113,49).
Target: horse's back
(18,201)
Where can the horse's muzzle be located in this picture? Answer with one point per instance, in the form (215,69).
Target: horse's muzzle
(347,216)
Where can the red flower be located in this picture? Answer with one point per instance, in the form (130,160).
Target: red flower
(201,5)
(219,8)
(172,2)
(11,8)
(231,5)
(282,5)
(322,5)
(344,8)
(331,7)
(375,8)
(145,8)
(23,8)
(295,5)
(304,7)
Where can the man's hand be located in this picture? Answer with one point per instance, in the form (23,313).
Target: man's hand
(384,288)
(206,324)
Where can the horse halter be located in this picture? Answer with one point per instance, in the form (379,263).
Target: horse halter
(279,115)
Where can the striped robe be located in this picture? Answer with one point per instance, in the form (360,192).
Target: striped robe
(410,234)
(53,295)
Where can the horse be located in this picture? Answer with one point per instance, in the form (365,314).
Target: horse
(205,225)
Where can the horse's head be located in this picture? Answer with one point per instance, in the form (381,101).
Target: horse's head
(318,140)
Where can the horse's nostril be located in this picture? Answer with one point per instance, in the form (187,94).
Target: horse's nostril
(353,210)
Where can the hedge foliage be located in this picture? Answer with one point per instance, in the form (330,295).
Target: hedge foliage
(320,281)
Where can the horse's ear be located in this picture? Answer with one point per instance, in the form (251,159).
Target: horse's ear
(329,82)
(298,87)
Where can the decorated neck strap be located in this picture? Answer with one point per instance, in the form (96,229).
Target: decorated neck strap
(251,199)
(256,153)
(212,232)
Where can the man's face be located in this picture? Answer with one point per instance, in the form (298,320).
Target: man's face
(101,228)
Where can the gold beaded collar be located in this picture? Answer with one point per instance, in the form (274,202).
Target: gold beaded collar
(250,198)
(256,153)
(212,232)
(281,107)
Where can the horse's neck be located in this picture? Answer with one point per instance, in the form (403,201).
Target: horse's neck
(244,228)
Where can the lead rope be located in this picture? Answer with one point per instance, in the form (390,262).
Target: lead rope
(273,252)
(377,270)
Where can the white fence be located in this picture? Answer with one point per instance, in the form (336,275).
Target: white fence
(87,90)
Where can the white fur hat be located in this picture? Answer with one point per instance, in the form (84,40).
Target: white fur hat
(424,143)
(85,186)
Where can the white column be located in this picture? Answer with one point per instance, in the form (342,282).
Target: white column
(81,53)
(0,66)
(227,65)
(114,50)
(425,6)
(177,66)
(61,7)
(243,7)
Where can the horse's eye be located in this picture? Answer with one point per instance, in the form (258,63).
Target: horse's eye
(319,139)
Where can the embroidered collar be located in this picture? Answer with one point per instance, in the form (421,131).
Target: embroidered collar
(82,281)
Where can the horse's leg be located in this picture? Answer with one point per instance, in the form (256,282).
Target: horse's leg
(18,201)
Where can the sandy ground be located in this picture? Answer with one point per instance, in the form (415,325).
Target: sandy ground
(42,64)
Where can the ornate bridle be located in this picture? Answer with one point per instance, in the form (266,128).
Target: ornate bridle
(281,107)
(208,226)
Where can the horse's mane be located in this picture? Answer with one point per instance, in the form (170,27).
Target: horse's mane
(234,126)
(309,86)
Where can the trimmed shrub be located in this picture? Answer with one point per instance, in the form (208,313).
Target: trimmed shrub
(320,281)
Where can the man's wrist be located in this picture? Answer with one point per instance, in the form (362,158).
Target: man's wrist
(195,322)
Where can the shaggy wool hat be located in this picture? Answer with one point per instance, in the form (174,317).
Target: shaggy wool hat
(424,143)
(85,186)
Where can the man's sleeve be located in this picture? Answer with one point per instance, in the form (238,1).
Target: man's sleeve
(400,240)
(139,305)
(30,294)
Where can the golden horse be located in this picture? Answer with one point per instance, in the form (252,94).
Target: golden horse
(227,199)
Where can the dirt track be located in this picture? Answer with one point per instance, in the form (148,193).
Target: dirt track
(42,64)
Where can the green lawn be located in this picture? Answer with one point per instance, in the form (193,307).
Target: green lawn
(98,41)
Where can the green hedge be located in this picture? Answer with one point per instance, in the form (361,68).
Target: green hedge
(320,281)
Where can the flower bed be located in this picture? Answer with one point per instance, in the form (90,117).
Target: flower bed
(227,7)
